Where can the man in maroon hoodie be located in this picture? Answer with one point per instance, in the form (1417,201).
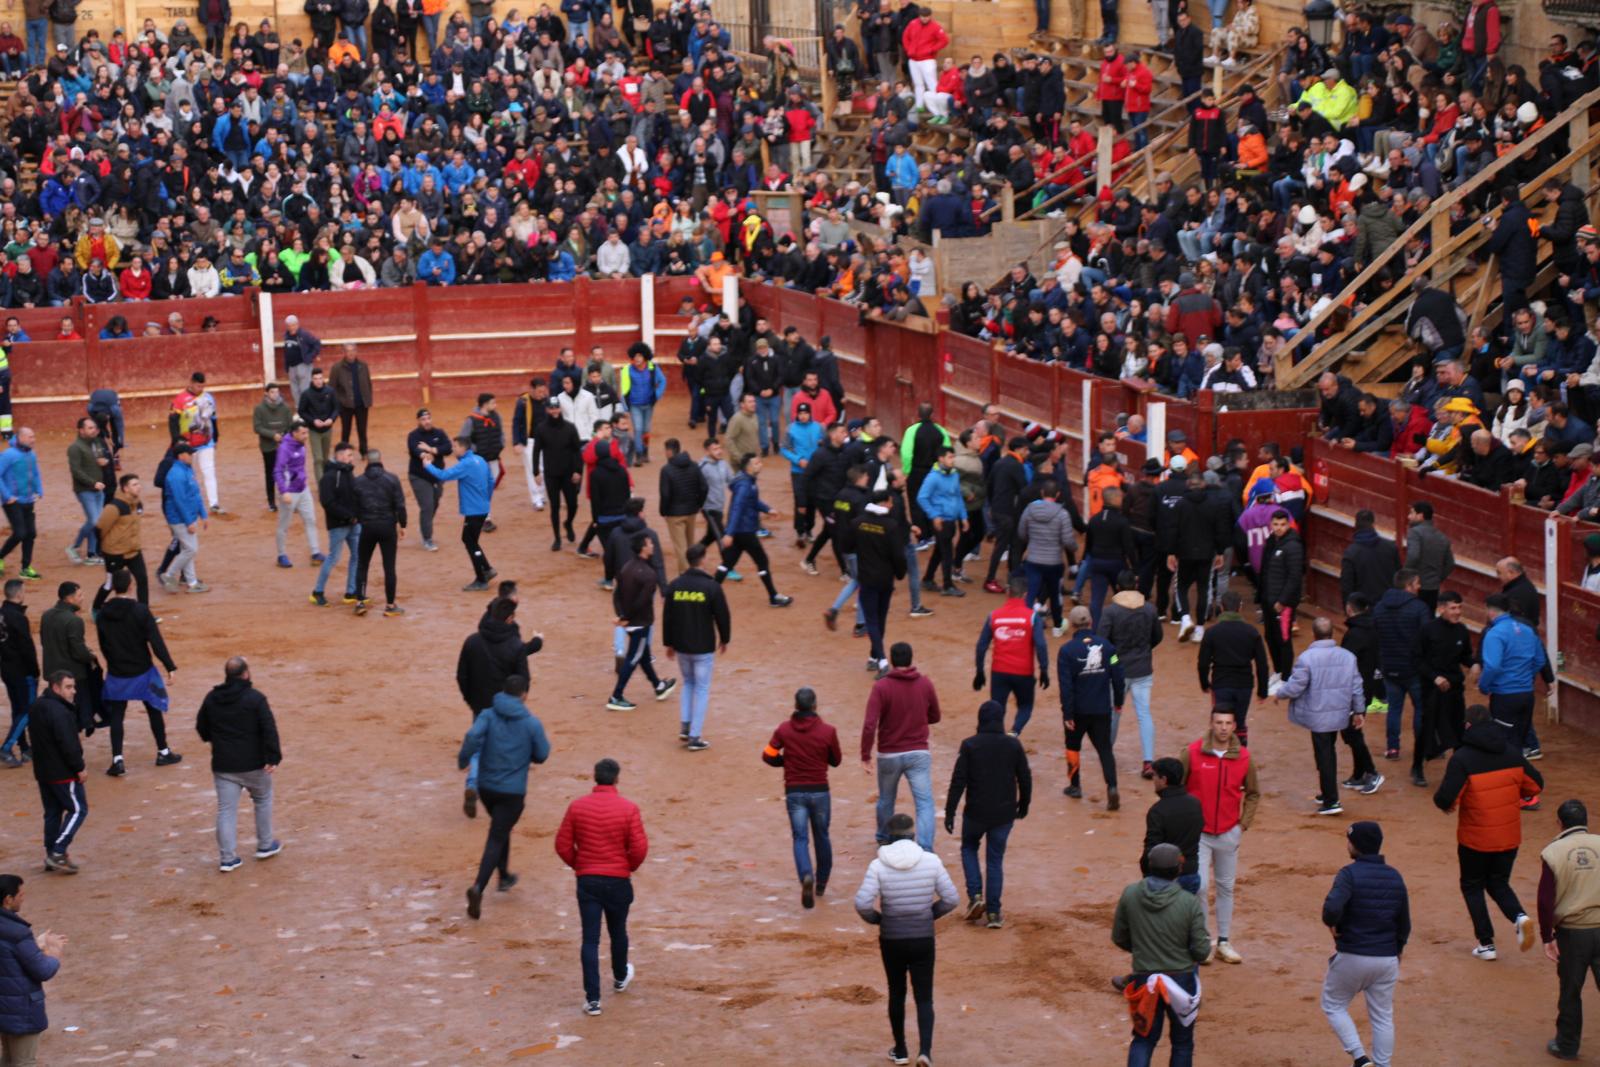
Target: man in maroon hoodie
(805,747)
(899,711)
(602,840)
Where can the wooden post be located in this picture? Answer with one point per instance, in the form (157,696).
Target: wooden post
(1216,80)
(1102,160)
(1580,162)
(830,96)
(1439,234)
(422,326)
(1008,203)
(941,275)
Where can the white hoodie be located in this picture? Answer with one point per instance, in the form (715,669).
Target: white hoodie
(910,888)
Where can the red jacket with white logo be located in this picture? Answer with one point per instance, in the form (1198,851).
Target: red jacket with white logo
(1017,634)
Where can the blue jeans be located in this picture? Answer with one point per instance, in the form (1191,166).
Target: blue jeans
(21,692)
(430,28)
(991,879)
(1398,689)
(340,538)
(38,31)
(1003,685)
(809,814)
(358,37)
(917,768)
(1139,693)
(1136,122)
(1143,1048)
(93,503)
(850,589)
(694,689)
(643,416)
(1045,582)
(603,896)
(873,604)
(769,418)
(1189,883)
(912,570)
(1286,189)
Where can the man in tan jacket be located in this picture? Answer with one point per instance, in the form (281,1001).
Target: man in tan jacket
(1569,919)
(120,545)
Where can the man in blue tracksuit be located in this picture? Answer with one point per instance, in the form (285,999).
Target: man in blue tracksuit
(1092,689)
(474,493)
(940,499)
(800,442)
(20,488)
(184,511)
(504,739)
(1512,655)
(641,386)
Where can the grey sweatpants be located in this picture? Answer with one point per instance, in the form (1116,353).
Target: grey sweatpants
(1374,976)
(1219,859)
(229,786)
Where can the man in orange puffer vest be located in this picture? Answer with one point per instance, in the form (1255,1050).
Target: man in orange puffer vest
(1488,779)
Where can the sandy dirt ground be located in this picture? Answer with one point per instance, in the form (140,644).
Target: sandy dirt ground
(353,944)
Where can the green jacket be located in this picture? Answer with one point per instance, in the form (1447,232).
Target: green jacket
(1338,105)
(81,455)
(270,419)
(908,446)
(61,638)
(1163,925)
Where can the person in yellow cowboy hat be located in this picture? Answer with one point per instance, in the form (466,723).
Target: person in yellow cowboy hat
(1457,419)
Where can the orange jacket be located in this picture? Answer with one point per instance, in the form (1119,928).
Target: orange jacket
(1487,778)
(1103,477)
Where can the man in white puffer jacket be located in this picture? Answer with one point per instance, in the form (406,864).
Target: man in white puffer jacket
(904,891)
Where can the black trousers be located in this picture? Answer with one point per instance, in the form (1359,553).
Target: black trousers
(1162,583)
(824,538)
(1327,757)
(1280,646)
(373,538)
(919,518)
(1098,729)
(23,531)
(471,533)
(562,489)
(1196,573)
(1005,536)
(713,535)
(268,461)
(943,556)
(751,544)
(875,606)
(1356,741)
(1580,958)
(141,578)
(1441,727)
(913,957)
(114,712)
(971,537)
(359,416)
(1513,709)
(1487,872)
(504,810)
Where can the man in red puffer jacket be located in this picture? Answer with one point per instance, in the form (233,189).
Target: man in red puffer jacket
(1112,91)
(602,839)
(923,40)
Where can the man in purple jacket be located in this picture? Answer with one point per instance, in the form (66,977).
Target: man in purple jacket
(1255,522)
(294,496)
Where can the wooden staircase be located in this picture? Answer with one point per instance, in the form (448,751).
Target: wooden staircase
(1366,341)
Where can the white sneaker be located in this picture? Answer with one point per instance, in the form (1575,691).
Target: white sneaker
(1524,932)
(1484,952)
(1226,954)
(1059,631)
(1274,679)
(1199,632)
(1185,628)
(1230,64)
(622,986)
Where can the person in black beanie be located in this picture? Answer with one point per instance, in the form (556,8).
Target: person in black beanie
(1369,912)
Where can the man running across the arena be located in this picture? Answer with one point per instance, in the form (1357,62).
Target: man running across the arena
(130,641)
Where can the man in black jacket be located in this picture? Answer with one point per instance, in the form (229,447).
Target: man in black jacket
(336,489)
(846,509)
(19,668)
(490,655)
(1361,640)
(1108,547)
(695,626)
(880,562)
(1444,654)
(381,509)
(921,446)
(1283,564)
(236,721)
(318,407)
(1189,55)
(633,600)
(425,488)
(558,453)
(683,494)
(763,376)
(128,637)
(58,767)
(824,477)
(992,770)
(1176,818)
(1007,479)
(1369,562)
(1230,652)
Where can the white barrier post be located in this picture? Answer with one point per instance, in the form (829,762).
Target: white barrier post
(1088,421)
(730,297)
(1155,433)
(1552,611)
(269,354)
(647,310)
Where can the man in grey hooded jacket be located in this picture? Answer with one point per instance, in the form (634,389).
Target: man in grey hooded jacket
(1325,696)
(905,890)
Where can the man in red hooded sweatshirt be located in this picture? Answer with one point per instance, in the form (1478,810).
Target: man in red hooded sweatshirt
(900,709)
(805,747)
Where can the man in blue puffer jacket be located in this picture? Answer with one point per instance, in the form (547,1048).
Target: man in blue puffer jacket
(506,738)
(475,490)
(745,508)
(20,488)
(1369,911)
(1400,617)
(940,499)
(1512,655)
(25,965)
